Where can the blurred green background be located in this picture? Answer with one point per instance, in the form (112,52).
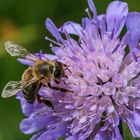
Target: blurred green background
(23,21)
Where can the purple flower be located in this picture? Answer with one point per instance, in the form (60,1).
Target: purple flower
(104,79)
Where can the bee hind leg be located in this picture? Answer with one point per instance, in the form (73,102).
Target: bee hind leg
(58,88)
(46,102)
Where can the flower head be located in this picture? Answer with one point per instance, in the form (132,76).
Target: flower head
(102,77)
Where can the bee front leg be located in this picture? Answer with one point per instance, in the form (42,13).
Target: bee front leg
(68,70)
(64,75)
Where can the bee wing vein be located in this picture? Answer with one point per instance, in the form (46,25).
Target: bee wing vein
(11,89)
(16,50)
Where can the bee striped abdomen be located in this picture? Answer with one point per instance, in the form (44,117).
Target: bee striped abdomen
(30,93)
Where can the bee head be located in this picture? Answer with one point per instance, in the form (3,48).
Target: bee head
(58,70)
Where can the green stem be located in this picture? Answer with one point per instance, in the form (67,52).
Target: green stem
(121,128)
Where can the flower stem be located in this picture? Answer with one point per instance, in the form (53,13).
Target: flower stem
(121,128)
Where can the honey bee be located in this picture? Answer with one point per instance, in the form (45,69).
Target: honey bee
(34,77)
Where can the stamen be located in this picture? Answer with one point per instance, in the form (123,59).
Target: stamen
(51,45)
(40,55)
(87,11)
(47,38)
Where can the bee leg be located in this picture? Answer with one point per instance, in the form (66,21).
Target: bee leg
(64,82)
(59,88)
(40,99)
(68,70)
(46,102)
(58,81)
(64,75)
(39,85)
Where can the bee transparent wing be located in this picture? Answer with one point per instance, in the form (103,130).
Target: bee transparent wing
(16,50)
(11,89)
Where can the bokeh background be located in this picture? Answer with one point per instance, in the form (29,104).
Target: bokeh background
(23,21)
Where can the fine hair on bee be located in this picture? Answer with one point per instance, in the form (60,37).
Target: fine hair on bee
(35,76)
